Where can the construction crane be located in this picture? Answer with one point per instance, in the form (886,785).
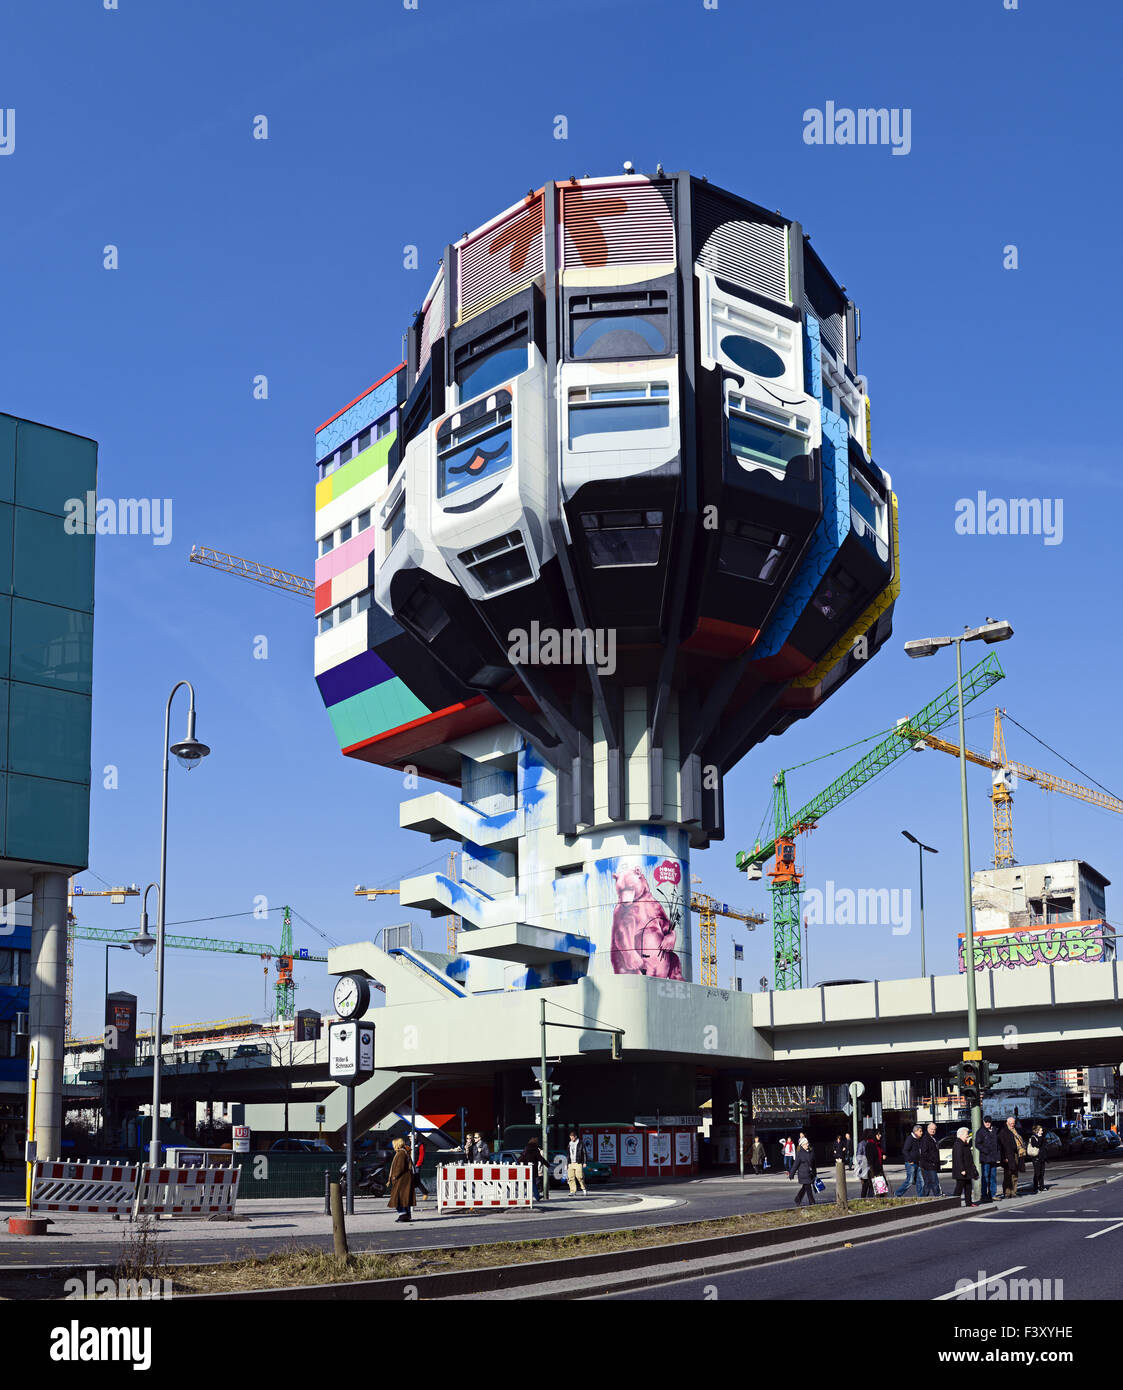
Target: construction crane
(252,569)
(709,909)
(785,874)
(285,986)
(116,895)
(1004,781)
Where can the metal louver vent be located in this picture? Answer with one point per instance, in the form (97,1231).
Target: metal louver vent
(507,256)
(621,224)
(832,327)
(753,255)
(433,320)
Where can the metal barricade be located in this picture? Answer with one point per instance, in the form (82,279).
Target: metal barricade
(87,1188)
(463,1185)
(187,1191)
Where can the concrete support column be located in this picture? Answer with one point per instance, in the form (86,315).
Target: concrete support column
(47,1006)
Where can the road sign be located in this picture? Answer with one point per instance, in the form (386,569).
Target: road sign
(740,1086)
(302,953)
(848,1109)
(857,1090)
(535,1096)
(241,1139)
(972,1056)
(321,1114)
(538,1073)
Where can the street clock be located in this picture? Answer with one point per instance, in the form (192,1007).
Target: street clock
(352,996)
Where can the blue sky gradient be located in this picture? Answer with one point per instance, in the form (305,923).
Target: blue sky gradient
(390,128)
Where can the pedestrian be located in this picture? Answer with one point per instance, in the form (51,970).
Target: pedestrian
(402,1180)
(1035,1152)
(930,1162)
(862,1164)
(575,1170)
(480,1151)
(756,1157)
(910,1152)
(875,1157)
(803,1168)
(789,1154)
(839,1150)
(986,1142)
(963,1168)
(532,1154)
(1011,1155)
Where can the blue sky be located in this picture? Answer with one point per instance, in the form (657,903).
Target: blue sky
(390,127)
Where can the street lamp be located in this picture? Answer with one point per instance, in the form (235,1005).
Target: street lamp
(923,849)
(993,630)
(189,751)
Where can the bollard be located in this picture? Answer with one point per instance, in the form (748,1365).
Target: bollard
(840,1185)
(338,1230)
(327,1193)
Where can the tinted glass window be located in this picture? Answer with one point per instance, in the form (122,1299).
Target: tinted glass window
(482,457)
(492,370)
(753,356)
(755,441)
(621,336)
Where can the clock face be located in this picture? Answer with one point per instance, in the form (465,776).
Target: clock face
(346,996)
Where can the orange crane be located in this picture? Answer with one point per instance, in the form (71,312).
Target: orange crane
(1004,781)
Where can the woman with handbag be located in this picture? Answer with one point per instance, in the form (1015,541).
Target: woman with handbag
(875,1157)
(1035,1152)
(804,1169)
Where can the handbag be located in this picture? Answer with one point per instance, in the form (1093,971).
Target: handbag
(1032,1149)
(820,1185)
(880,1186)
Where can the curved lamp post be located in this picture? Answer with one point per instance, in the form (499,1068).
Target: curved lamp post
(189,751)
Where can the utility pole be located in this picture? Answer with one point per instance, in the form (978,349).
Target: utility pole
(545,1110)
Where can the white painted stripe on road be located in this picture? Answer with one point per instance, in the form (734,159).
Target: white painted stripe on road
(1106,1230)
(966,1288)
(1021,1220)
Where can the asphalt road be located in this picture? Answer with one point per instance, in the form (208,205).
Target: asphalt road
(609,1208)
(1042,1238)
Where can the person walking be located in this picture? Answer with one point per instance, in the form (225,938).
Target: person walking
(963,1168)
(756,1157)
(862,1164)
(875,1157)
(789,1154)
(402,1181)
(803,1168)
(480,1151)
(575,1171)
(910,1152)
(1035,1152)
(930,1162)
(1011,1155)
(840,1150)
(532,1154)
(986,1142)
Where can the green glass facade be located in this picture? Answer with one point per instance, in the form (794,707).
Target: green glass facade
(46,643)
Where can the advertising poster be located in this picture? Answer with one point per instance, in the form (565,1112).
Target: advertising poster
(659,1150)
(683,1149)
(631,1150)
(694,1146)
(587,1140)
(606,1148)
(647,893)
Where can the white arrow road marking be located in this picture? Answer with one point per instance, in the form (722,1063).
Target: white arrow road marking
(966,1288)
(1106,1230)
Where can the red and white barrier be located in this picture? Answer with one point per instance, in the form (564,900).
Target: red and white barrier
(187,1191)
(96,1188)
(484,1185)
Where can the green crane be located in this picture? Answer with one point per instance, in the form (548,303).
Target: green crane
(285,987)
(785,875)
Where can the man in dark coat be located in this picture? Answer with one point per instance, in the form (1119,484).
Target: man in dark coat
(986,1142)
(1011,1150)
(532,1154)
(910,1152)
(963,1168)
(930,1163)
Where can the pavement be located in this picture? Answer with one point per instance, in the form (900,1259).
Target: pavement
(266,1224)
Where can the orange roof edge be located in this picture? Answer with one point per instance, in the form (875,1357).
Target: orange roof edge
(359,397)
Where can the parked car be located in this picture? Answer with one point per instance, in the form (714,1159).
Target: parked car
(1112,1138)
(211,1055)
(290,1145)
(249,1050)
(1098,1139)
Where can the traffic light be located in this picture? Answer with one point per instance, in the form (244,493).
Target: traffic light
(738,1110)
(553,1093)
(969,1082)
(733,1111)
(955,1072)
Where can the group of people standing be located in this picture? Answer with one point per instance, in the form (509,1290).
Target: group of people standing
(1004,1148)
